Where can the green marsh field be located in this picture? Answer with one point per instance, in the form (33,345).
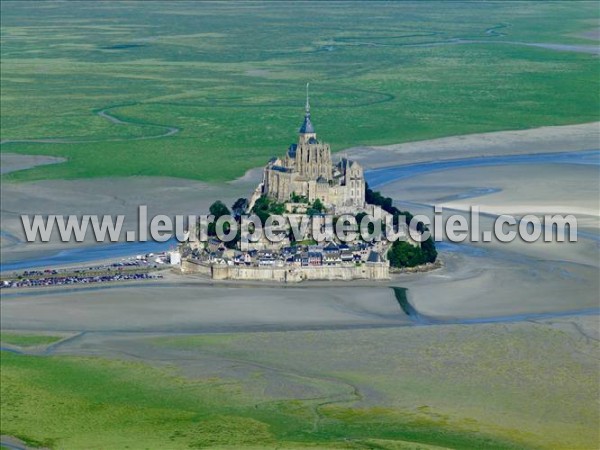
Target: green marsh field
(207,91)
(310,390)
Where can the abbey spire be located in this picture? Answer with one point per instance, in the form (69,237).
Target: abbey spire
(307,126)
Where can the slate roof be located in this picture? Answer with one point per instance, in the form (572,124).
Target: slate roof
(374,257)
(307,126)
(331,247)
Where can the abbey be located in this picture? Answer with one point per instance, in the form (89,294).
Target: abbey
(307,170)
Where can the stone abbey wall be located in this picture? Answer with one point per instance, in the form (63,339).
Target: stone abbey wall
(366,271)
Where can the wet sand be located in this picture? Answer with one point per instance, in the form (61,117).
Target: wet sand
(120,196)
(188,307)
(12,162)
(537,140)
(522,189)
(497,279)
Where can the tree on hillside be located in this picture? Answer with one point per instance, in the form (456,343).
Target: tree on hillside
(403,254)
(316,208)
(261,209)
(219,209)
(429,251)
(298,198)
(265,207)
(239,207)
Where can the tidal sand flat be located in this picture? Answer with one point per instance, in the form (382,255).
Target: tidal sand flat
(538,189)
(118,196)
(504,280)
(517,190)
(13,162)
(201,307)
(514,142)
(480,286)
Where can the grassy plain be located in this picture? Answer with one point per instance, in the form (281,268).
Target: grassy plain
(62,401)
(410,388)
(231,78)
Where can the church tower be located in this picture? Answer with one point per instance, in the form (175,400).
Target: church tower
(307,170)
(313,158)
(307,131)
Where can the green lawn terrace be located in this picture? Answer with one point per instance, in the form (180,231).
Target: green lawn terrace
(208,90)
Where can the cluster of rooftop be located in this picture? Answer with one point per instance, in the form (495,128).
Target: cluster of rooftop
(327,254)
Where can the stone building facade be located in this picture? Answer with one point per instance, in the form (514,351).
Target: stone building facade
(307,170)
